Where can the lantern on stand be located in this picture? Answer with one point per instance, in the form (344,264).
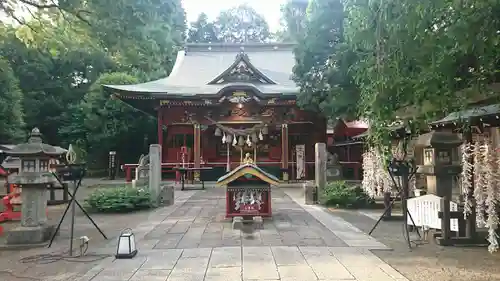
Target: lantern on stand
(126,248)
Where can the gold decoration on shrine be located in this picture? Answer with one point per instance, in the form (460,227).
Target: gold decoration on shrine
(248,159)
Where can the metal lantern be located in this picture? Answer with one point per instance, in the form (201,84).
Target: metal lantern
(218,132)
(254,138)
(126,245)
(265,130)
(229,139)
(241,141)
(235,141)
(261,137)
(224,139)
(249,143)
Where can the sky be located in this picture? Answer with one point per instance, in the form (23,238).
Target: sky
(270,9)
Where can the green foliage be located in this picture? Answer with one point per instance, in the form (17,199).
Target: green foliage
(242,24)
(323,61)
(202,31)
(237,25)
(59,56)
(340,194)
(413,61)
(118,200)
(100,124)
(11,111)
(293,21)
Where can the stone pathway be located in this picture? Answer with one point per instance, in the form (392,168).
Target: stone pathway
(195,242)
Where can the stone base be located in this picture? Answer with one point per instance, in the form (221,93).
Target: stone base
(29,235)
(258,222)
(237,223)
(309,194)
(166,197)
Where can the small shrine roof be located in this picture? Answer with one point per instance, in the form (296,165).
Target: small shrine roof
(35,146)
(197,68)
(492,109)
(244,169)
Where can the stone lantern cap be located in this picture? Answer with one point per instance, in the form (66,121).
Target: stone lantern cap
(439,140)
(35,147)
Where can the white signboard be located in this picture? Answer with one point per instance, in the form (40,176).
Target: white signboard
(424,211)
(300,150)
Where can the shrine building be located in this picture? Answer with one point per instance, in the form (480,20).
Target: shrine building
(222,101)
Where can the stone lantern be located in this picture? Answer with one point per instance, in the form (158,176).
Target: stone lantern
(439,161)
(33,178)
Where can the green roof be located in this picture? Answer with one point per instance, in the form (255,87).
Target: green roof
(492,109)
(199,67)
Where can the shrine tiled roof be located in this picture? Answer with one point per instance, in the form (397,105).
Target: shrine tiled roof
(244,169)
(198,65)
(489,110)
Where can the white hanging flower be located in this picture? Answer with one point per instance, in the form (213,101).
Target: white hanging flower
(261,137)
(369,181)
(466,177)
(224,138)
(479,182)
(491,197)
(235,142)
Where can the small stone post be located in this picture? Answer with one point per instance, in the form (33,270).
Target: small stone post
(154,172)
(320,168)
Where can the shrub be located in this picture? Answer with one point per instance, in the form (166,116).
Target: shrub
(118,200)
(340,194)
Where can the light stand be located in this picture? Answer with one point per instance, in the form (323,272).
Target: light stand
(405,170)
(72,173)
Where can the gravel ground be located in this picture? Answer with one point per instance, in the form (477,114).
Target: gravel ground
(427,262)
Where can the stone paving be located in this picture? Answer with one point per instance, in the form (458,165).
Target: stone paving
(194,242)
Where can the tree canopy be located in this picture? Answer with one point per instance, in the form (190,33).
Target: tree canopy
(393,60)
(53,64)
(237,25)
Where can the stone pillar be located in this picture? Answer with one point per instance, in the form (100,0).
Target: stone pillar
(197,150)
(284,151)
(155,171)
(34,204)
(320,168)
(34,227)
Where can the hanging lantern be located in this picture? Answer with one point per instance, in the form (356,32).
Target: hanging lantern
(234,140)
(249,143)
(229,139)
(126,245)
(261,137)
(254,138)
(218,132)
(224,139)
(265,130)
(241,141)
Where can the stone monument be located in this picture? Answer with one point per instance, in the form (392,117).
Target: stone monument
(333,168)
(34,177)
(142,172)
(320,168)
(161,195)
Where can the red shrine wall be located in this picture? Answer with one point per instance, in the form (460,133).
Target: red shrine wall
(179,130)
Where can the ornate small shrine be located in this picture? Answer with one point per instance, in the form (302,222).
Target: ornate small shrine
(248,190)
(222,101)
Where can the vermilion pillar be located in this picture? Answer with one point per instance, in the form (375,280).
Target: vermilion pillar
(284,151)
(197,149)
(160,126)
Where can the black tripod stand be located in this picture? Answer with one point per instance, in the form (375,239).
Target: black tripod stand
(72,173)
(405,170)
